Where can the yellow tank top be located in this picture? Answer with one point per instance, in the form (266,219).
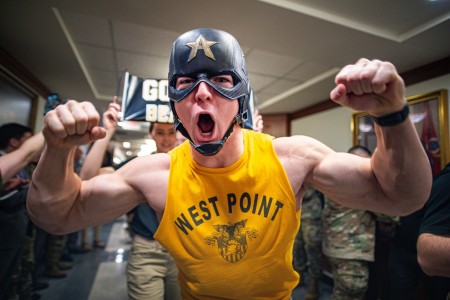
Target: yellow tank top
(231,230)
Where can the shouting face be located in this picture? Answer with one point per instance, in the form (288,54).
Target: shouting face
(204,112)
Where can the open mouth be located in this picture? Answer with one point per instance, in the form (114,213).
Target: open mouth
(206,124)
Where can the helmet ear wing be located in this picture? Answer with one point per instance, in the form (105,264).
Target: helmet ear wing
(246,109)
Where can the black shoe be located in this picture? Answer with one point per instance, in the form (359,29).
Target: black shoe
(63,266)
(37,286)
(100,245)
(78,251)
(54,273)
(35,296)
(66,258)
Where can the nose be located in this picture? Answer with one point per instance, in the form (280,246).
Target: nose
(203,92)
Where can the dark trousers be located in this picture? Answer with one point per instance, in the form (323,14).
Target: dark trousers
(406,276)
(13,225)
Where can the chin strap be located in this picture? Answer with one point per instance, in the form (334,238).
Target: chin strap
(210,149)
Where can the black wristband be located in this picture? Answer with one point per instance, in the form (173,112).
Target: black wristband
(394,118)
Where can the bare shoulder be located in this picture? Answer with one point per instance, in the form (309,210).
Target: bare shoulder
(299,155)
(300,147)
(149,175)
(142,164)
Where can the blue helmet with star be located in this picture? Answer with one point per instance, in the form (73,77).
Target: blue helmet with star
(201,54)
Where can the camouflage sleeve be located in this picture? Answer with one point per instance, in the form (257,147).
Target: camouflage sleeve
(386,218)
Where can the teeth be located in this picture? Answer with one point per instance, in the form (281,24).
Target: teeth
(206,133)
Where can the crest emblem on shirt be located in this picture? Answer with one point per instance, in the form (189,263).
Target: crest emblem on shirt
(231,240)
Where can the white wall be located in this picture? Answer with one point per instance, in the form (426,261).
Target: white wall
(333,126)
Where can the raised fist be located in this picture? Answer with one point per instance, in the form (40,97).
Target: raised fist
(371,86)
(74,123)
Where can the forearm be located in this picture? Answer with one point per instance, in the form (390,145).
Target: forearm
(12,163)
(433,254)
(53,190)
(401,168)
(94,158)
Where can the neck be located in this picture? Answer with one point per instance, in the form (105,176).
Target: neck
(229,154)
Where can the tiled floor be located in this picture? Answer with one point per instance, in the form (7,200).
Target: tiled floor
(100,273)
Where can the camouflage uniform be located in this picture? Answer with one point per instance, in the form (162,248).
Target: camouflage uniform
(349,243)
(22,280)
(54,246)
(307,245)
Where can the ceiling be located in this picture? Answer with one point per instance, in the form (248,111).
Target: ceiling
(293,48)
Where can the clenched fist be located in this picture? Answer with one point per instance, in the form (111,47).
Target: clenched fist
(371,86)
(74,123)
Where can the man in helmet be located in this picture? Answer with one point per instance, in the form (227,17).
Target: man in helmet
(229,200)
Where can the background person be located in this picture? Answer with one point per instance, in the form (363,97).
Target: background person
(19,149)
(99,161)
(433,244)
(412,253)
(348,241)
(151,271)
(308,242)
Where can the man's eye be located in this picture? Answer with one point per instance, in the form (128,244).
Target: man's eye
(225,81)
(184,83)
(187,81)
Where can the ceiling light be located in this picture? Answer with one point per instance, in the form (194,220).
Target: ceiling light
(417,117)
(365,127)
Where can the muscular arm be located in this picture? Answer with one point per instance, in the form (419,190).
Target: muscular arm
(388,181)
(433,254)
(58,201)
(12,163)
(398,161)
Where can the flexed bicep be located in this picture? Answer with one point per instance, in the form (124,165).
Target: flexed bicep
(347,179)
(104,198)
